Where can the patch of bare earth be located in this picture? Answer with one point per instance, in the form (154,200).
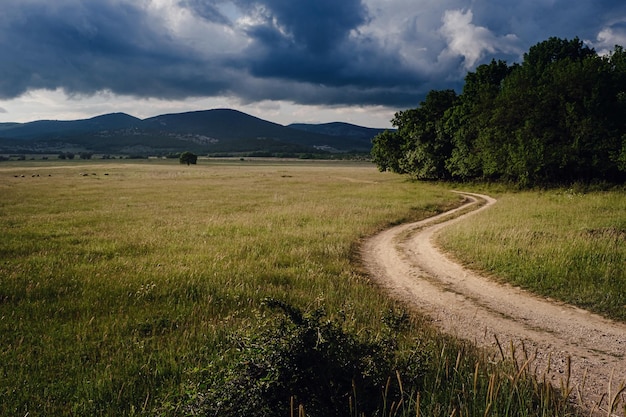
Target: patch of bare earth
(565,343)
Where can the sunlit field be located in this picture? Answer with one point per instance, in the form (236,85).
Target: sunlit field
(118,280)
(140,288)
(565,244)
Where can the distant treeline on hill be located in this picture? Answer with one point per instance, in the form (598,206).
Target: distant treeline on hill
(558,117)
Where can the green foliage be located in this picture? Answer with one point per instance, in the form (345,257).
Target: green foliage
(66,155)
(307,364)
(188,158)
(420,146)
(542,55)
(427,144)
(308,361)
(387,151)
(568,244)
(559,117)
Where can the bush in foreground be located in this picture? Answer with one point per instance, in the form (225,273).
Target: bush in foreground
(303,361)
(306,365)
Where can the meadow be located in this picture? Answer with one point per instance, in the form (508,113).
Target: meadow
(128,289)
(567,244)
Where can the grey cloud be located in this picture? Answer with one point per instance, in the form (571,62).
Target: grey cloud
(303,51)
(207,10)
(474,42)
(84,47)
(320,43)
(609,36)
(315,25)
(536,21)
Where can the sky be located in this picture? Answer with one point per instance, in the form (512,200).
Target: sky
(287,61)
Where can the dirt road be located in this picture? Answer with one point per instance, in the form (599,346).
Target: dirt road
(405,261)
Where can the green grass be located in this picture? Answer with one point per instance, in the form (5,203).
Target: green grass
(113,287)
(562,244)
(129,290)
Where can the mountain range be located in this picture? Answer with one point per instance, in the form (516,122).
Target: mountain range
(216,131)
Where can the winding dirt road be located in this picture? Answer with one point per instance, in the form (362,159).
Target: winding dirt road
(405,261)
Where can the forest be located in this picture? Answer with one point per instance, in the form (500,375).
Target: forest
(558,117)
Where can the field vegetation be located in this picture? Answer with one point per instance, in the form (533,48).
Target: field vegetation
(568,244)
(226,288)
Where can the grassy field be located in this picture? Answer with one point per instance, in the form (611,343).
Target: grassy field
(563,244)
(123,284)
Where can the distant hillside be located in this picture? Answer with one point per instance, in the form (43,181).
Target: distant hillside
(209,131)
(52,128)
(358,137)
(339,129)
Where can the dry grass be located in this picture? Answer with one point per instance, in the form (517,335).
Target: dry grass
(115,286)
(563,244)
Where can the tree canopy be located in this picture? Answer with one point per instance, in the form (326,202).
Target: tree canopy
(188,158)
(559,116)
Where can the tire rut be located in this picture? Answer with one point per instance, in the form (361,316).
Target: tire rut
(565,342)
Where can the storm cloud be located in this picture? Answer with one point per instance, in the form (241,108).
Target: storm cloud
(326,52)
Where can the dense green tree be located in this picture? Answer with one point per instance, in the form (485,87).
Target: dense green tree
(387,151)
(540,56)
(617,63)
(559,116)
(555,109)
(428,146)
(420,146)
(188,158)
(470,120)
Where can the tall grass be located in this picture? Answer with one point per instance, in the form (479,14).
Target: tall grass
(561,243)
(115,285)
(316,368)
(126,291)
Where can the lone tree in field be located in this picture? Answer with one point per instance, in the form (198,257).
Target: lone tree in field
(188,158)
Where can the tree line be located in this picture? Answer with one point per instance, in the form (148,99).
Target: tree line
(557,117)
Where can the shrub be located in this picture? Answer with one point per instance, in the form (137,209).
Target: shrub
(307,361)
(188,158)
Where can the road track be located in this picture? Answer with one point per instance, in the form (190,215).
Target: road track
(562,339)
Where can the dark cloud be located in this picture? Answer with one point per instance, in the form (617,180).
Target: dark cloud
(534,22)
(304,51)
(315,26)
(319,43)
(206,9)
(84,47)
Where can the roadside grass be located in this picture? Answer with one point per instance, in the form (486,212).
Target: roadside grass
(113,286)
(563,244)
(128,288)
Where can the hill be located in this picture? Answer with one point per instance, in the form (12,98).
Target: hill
(56,128)
(358,137)
(339,129)
(208,131)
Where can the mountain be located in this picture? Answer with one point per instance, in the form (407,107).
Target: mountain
(208,131)
(340,129)
(219,123)
(356,137)
(51,128)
